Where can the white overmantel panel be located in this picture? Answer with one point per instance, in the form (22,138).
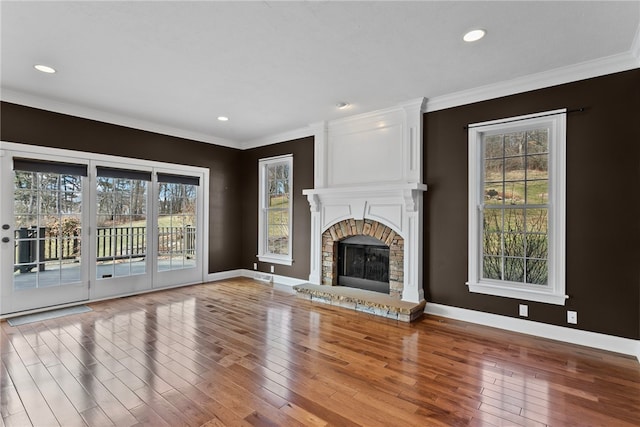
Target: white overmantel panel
(383,146)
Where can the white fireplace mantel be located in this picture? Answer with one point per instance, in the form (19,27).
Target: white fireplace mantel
(388,203)
(369,166)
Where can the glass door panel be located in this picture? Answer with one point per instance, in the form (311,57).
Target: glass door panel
(121,231)
(46,221)
(177,230)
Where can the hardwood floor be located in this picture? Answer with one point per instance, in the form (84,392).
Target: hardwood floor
(238,352)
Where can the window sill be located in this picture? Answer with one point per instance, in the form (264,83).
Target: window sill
(517,293)
(273,259)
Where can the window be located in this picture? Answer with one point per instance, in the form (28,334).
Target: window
(275,205)
(517,207)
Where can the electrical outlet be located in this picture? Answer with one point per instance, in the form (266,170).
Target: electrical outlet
(255,265)
(572,317)
(273,269)
(524,310)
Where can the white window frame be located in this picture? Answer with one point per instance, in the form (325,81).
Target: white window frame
(554,291)
(263,254)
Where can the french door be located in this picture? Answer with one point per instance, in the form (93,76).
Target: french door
(43,222)
(77,228)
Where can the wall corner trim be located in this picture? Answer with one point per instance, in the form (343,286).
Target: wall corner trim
(559,333)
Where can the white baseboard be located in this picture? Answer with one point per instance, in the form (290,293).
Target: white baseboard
(257,275)
(559,333)
(212,277)
(273,278)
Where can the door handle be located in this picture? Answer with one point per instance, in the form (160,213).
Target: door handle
(6,240)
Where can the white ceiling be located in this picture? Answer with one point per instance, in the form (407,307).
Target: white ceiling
(273,67)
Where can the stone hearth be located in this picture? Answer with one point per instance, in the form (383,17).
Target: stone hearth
(361,300)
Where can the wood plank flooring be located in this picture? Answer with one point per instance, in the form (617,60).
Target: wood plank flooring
(240,353)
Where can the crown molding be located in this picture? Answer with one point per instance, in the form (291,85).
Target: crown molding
(278,137)
(30,100)
(585,70)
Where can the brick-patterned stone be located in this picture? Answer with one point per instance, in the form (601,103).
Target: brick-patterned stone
(367,227)
(389,240)
(333,234)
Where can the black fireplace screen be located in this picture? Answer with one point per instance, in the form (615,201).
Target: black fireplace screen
(364,266)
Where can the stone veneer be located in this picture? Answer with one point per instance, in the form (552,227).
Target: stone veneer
(363,227)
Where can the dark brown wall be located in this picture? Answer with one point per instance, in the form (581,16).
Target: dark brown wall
(302,150)
(603,203)
(38,127)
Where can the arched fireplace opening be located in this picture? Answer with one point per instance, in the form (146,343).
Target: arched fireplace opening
(364,231)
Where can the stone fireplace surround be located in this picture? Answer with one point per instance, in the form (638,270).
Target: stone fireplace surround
(351,227)
(368,181)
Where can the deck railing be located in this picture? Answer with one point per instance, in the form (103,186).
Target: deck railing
(36,245)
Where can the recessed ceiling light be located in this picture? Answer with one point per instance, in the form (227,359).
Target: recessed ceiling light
(474,35)
(44,68)
(342,105)
(223,118)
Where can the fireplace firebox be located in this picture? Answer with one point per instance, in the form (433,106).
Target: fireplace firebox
(363,262)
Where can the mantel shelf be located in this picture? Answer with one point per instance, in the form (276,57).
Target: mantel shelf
(377,188)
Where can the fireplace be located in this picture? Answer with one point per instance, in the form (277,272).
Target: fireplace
(363,262)
(368,183)
(359,233)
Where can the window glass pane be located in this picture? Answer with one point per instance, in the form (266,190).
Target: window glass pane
(514,269)
(47,229)
(69,272)
(514,192)
(537,166)
(537,141)
(537,192)
(492,220)
(48,181)
(514,220)
(493,147)
(121,210)
(176,226)
(493,170)
(537,272)
(537,221)
(24,180)
(514,244)
(492,243)
(278,231)
(537,246)
(492,267)
(514,144)
(493,193)
(514,168)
